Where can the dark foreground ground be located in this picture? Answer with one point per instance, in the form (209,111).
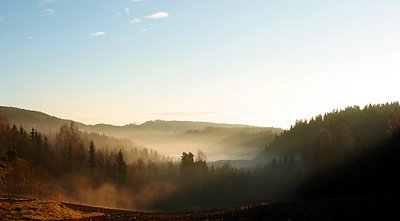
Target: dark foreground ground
(332,209)
(376,208)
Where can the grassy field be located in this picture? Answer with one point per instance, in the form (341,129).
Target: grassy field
(20,208)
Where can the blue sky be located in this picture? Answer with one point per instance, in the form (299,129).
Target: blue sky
(260,62)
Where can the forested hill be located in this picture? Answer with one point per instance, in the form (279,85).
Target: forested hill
(34,119)
(351,152)
(47,123)
(340,132)
(168,137)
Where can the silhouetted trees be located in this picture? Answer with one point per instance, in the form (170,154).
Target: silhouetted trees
(70,153)
(92,155)
(187,161)
(350,152)
(121,167)
(339,134)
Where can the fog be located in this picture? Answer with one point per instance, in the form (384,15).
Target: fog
(93,169)
(347,153)
(219,141)
(83,191)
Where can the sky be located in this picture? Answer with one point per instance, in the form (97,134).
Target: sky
(257,62)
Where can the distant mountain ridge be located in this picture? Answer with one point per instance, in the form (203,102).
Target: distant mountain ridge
(19,116)
(167,137)
(30,118)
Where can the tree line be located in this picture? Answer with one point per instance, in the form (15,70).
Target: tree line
(56,166)
(349,152)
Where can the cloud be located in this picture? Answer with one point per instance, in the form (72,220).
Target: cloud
(97,34)
(43,3)
(136,1)
(48,12)
(158,15)
(143,30)
(48,1)
(28,37)
(127,11)
(135,21)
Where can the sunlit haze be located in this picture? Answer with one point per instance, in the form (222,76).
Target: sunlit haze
(260,62)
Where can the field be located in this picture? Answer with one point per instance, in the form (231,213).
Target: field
(20,208)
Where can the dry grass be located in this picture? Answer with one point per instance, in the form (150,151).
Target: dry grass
(33,209)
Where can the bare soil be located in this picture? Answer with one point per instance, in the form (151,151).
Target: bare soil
(373,208)
(329,209)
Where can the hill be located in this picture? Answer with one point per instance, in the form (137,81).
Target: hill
(345,154)
(351,152)
(47,123)
(350,129)
(167,137)
(34,119)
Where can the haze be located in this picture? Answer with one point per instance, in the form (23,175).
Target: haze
(219,109)
(264,63)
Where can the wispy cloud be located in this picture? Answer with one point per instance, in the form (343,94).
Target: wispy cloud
(97,34)
(29,37)
(136,1)
(44,3)
(48,1)
(127,11)
(48,12)
(157,15)
(143,30)
(135,21)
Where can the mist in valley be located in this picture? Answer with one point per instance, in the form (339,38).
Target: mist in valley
(169,138)
(255,108)
(305,162)
(117,172)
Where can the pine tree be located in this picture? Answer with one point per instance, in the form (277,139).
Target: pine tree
(121,168)
(92,155)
